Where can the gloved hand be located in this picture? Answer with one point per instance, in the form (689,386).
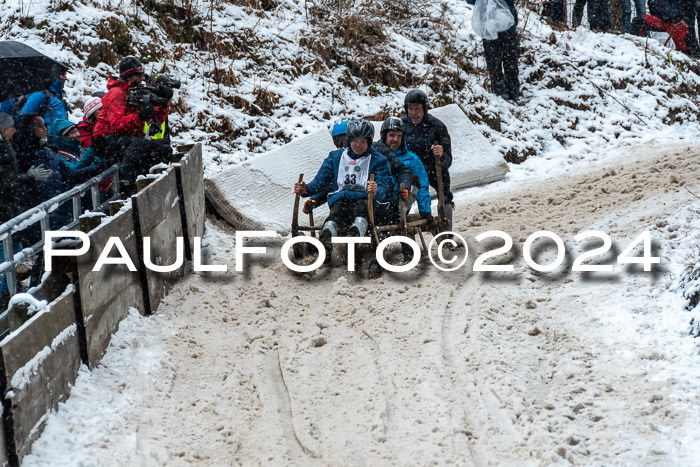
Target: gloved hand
(403,194)
(309,206)
(148,113)
(427,216)
(154,129)
(40,173)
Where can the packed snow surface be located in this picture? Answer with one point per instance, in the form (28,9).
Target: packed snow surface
(267,367)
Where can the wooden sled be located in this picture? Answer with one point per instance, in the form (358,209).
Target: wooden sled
(410,225)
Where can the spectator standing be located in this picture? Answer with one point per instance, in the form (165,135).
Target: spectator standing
(598,14)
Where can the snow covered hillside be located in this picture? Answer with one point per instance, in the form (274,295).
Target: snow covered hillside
(257,73)
(526,368)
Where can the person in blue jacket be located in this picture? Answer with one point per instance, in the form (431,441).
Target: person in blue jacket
(48,104)
(392,135)
(66,139)
(345,175)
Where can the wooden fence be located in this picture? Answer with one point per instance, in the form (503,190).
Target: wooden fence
(40,358)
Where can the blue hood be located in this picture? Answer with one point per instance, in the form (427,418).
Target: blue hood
(57,88)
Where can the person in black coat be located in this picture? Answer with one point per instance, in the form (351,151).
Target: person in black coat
(598,14)
(428,138)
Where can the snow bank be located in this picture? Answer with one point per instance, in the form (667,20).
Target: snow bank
(257,194)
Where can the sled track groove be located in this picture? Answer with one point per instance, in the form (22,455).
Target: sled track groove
(446,349)
(300,453)
(388,416)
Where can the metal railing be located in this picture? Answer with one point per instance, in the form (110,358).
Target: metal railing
(41,214)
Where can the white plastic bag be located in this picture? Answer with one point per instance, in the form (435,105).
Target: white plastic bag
(491,17)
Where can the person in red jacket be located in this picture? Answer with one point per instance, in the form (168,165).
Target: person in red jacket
(118,134)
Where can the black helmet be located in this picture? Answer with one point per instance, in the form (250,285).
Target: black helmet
(416,97)
(390,124)
(360,129)
(130,66)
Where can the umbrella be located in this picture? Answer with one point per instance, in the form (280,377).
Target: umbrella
(24,70)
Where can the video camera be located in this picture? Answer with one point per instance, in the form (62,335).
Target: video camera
(156,92)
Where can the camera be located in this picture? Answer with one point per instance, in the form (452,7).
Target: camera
(158,89)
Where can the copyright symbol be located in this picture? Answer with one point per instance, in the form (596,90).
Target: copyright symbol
(448,251)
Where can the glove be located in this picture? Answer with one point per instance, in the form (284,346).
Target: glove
(148,113)
(403,194)
(309,206)
(40,174)
(154,129)
(427,216)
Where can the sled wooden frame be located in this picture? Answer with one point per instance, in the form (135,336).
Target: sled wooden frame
(410,225)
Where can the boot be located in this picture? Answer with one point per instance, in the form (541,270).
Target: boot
(330,230)
(358,227)
(448,215)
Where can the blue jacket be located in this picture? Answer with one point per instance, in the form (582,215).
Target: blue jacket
(325,181)
(8,107)
(69,151)
(417,168)
(57,108)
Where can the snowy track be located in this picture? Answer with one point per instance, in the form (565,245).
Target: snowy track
(462,368)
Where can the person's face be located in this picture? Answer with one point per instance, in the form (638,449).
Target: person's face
(8,133)
(137,78)
(339,141)
(96,114)
(64,78)
(40,130)
(359,145)
(74,134)
(393,139)
(415,113)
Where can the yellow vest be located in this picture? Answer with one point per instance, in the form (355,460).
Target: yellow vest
(158,135)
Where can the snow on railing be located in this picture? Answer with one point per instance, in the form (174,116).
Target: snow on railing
(41,214)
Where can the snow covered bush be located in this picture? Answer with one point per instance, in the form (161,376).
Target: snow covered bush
(689,286)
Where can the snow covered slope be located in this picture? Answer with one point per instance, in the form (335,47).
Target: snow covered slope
(257,74)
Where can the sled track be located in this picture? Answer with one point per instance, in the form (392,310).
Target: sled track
(300,453)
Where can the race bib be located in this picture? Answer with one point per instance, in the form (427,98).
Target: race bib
(353,173)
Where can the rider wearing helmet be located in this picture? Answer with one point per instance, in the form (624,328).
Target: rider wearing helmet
(392,135)
(428,138)
(338,133)
(344,175)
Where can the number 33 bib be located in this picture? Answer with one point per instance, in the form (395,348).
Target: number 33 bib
(353,173)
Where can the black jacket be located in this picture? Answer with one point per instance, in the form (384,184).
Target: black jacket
(419,139)
(13,184)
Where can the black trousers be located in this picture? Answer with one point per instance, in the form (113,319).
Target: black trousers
(344,211)
(432,177)
(690,16)
(136,154)
(598,14)
(502,63)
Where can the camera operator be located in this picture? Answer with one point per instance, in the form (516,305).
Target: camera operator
(161,87)
(126,109)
